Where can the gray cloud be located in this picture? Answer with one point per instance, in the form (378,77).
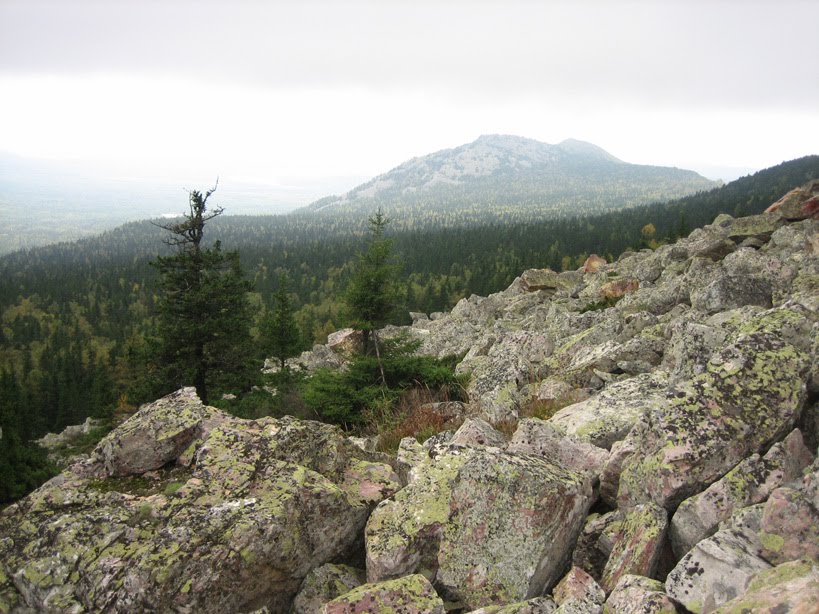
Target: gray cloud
(695,54)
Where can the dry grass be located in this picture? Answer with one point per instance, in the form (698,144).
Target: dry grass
(412,416)
(544,409)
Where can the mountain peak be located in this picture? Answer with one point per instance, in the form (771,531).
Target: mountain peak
(515,171)
(586,149)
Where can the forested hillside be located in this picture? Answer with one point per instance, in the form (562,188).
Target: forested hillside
(77,317)
(510,178)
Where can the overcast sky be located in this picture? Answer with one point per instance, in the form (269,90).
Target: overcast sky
(283,91)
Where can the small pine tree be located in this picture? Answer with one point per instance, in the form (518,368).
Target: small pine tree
(284,337)
(372,294)
(204,314)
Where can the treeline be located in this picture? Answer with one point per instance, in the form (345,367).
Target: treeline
(76,318)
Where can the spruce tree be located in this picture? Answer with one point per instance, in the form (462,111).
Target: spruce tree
(372,294)
(204,314)
(284,338)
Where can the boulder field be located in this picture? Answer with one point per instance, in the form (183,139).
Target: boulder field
(641,436)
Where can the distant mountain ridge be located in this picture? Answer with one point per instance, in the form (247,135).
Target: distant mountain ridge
(511,171)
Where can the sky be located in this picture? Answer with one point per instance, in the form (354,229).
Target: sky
(281,92)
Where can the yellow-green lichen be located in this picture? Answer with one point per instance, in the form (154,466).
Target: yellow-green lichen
(771,541)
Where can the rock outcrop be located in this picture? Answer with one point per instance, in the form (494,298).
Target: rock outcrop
(641,436)
(185,508)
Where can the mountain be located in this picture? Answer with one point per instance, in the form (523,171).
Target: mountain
(496,173)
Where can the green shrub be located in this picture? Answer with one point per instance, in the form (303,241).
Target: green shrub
(346,397)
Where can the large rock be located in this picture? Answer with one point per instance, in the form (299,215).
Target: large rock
(488,527)
(749,397)
(748,483)
(690,348)
(324,584)
(410,595)
(346,342)
(791,587)
(538,605)
(547,280)
(639,595)
(501,367)
(798,204)
(593,264)
(156,435)
(721,568)
(716,570)
(759,227)
(535,436)
(477,432)
(638,543)
(578,592)
(730,290)
(790,521)
(608,416)
(232,526)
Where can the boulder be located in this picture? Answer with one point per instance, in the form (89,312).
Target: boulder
(708,242)
(535,436)
(639,595)
(324,584)
(346,342)
(410,594)
(759,227)
(487,526)
(730,290)
(790,521)
(749,397)
(798,204)
(447,335)
(593,264)
(477,432)
(578,591)
(638,543)
(156,435)
(715,571)
(608,416)
(618,288)
(507,363)
(547,280)
(690,348)
(538,605)
(750,482)
(227,525)
(791,587)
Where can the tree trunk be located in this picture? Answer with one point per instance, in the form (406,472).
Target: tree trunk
(378,358)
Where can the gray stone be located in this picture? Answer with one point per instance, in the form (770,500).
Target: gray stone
(488,527)
(232,526)
(715,571)
(750,482)
(637,544)
(792,587)
(411,594)
(635,594)
(578,592)
(534,436)
(477,432)
(749,397)
(324,584)
(608,416)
